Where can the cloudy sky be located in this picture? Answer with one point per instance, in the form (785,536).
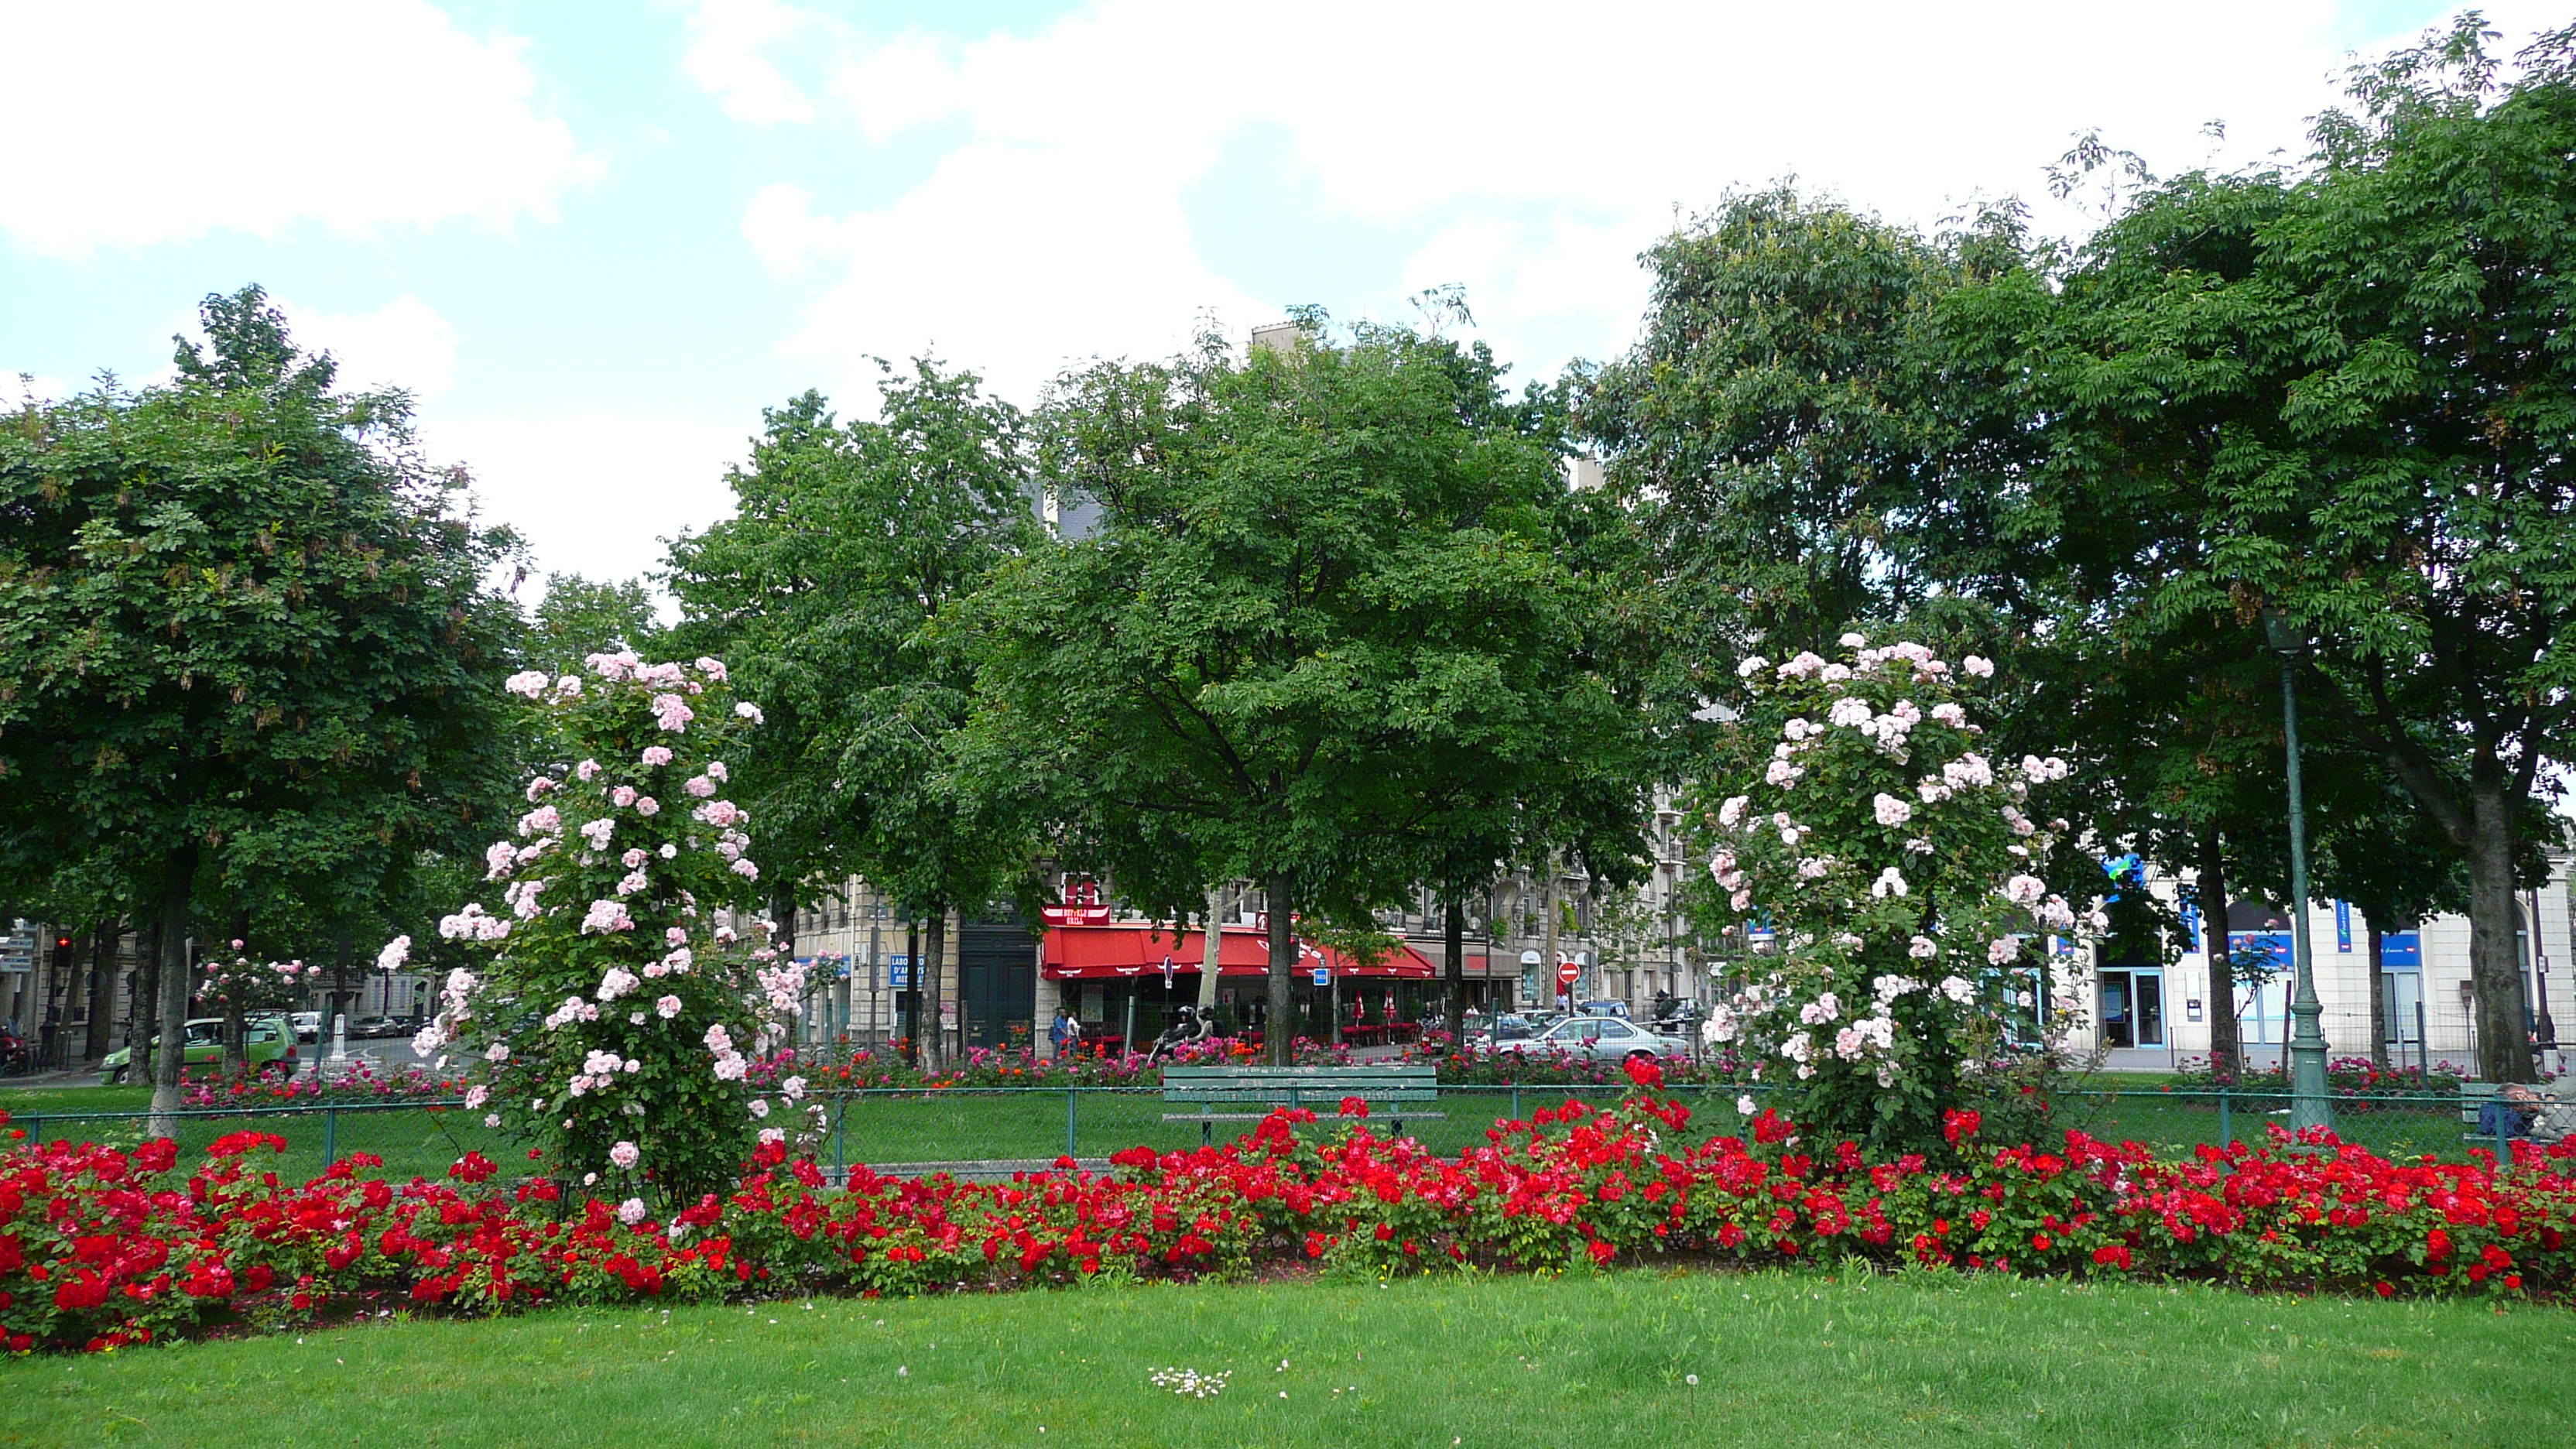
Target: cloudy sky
(594,239)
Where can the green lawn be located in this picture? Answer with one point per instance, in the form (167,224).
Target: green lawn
(1780,1360)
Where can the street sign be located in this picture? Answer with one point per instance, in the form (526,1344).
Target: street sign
(18,951)
(899,966)
(1323,976)
(1567,973)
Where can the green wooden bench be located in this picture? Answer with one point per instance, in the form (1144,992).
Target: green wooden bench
(1318,1089)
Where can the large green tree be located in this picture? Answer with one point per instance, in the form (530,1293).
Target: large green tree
(1315,605)
(245,647)
(830,593)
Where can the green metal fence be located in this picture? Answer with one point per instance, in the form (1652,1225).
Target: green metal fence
(999,1129)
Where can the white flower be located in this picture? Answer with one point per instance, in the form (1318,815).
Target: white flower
(396,952)
(760,1106)
(1752,666)
(1949,714)
(667,1007)
(625,1155)
(529,682)
(476,1096)
(1922,948)
(2025,890)
(1981,667)
(498,1051)
(1744,1105)
(2002,949)
(1956,988)
(1853,641)
(1892,811)
(747,710)
(631,1211)
(1733,810)
(1782,774)
(1889,883)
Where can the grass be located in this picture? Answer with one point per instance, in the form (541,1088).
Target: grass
(1780,1359)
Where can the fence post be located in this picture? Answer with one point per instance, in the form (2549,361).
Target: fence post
(1072,1100)
(841,1136)
(2226,1124)
(35,1131)
(330,1137)
(1516,1101)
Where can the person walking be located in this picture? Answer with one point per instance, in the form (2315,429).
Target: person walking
(1063,1034)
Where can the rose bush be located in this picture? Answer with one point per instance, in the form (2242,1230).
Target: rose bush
(1903,874)
(618,1020)
(101,1247)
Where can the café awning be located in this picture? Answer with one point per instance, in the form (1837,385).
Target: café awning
(1110,953)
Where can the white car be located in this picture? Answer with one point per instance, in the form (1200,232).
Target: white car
(1597,1038)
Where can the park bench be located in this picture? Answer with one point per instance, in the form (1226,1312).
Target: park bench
(1318,1089)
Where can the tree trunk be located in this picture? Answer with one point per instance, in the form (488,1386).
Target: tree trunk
(2224,1054)
(1547,961)
(1213,928)
(1453,1015)
(102,986)
(178,884)
(934,971)
(1279,1033)
(2378,1001)
(147,996)
(2495,961)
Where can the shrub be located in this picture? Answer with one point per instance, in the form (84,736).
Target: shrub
(1903,876)
(618,1020)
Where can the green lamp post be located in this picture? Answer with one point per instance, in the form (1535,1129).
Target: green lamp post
(2309,1103)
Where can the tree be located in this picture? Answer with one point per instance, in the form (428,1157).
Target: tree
(1803,432)
(832,588)
(2421,521)
(243,646)
(578,618)
(1310,603)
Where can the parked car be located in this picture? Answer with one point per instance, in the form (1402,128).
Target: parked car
(308,1025)
(376,1027)
(1597,1038)
(265,1039)
(1485,1030)
(1602,1008)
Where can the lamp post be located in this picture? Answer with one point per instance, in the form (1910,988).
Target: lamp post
(2309,1105)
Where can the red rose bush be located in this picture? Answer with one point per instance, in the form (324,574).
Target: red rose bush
(100,1247)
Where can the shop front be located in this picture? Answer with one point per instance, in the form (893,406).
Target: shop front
(1125,982)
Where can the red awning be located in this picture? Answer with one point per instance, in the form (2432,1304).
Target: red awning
(1094,953)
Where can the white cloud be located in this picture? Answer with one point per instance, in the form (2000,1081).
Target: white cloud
(594,493)
(404,344)
(136,123)
(1014,260)
(1549,143)
(724,59)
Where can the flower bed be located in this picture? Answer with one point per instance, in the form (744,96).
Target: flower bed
(2349,1078)
(277,1086)
(100,1248)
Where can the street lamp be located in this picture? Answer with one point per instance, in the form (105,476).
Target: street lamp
(2309,1105)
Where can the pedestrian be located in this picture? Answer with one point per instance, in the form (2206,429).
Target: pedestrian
(1063,1034)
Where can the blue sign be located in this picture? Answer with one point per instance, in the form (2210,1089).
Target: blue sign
(2343,927)
(2191,923)
(899,971)
(2401,951)
(1323,976)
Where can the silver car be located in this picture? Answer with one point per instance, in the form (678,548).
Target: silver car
(1597,1038)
